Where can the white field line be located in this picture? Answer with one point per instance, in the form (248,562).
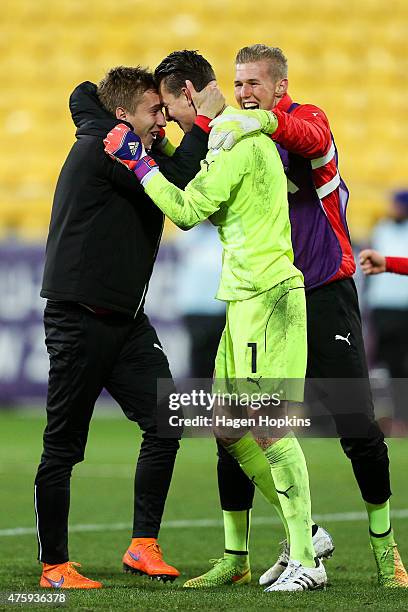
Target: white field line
(337,517)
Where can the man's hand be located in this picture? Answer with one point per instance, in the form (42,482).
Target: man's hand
(163,144)
(125,146)
(208,102)
(372,262)
(233,125)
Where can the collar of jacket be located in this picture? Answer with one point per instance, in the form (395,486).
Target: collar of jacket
(88,114)
(284,103)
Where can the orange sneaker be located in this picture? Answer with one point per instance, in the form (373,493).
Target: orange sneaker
(65,576)
(144,556)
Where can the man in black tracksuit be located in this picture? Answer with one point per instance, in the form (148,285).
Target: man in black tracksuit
(103,240)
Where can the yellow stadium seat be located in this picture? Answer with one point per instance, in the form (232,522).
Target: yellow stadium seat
(345,56)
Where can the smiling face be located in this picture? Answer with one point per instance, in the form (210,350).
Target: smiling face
(178,108)
(147,119)
(255,87)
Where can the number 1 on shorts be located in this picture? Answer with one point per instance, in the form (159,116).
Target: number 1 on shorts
(252,345)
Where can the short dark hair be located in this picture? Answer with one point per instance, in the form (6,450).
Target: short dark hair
(278,64)
(184,65)
(124,86)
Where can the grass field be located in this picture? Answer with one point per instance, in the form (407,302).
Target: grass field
(100,519)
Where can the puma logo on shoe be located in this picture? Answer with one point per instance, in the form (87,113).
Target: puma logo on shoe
(285,493)
(346,339)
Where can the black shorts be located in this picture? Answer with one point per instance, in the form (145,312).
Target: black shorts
(89,352)
(337,366)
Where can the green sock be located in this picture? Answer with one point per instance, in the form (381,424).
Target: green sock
(291,478)
(237,524)
(255,465)
(379,517)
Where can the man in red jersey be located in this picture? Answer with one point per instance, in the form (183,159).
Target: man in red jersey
(318,198)
(389,235)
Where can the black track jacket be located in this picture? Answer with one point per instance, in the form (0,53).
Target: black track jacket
(104,230)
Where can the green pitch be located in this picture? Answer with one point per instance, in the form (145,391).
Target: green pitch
(101,510)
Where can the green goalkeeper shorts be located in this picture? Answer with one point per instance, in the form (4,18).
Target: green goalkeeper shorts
(263,347)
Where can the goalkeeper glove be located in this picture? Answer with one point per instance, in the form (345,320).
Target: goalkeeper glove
(230,127)
(124,146)
(163,144)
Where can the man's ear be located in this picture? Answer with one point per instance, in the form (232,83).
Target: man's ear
(186,93)
(281,87)
(121,113)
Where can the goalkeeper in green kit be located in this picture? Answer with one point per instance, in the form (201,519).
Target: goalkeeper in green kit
(244,193)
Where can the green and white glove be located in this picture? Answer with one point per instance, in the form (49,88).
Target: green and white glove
(233,125)
(163,144)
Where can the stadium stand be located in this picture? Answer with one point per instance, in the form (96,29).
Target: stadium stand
(348,57)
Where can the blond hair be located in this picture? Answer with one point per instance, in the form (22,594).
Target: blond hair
(278,64)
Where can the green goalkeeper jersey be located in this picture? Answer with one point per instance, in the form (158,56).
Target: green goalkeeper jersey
(244,192)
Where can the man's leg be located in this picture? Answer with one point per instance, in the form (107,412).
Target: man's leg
(74,342)
(271,348)
(333,311)
(391,330)
(279,471)
(205,332)
(133,383)
(281,363)
(236,493)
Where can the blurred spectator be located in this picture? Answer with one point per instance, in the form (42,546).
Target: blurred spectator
(387,297)
(199,272)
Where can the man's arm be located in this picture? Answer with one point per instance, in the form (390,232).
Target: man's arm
(179,169)
(305,131)
(373,262)
(184,164)
(398,265)
(220,173)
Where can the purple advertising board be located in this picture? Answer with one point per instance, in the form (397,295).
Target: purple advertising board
(23,356)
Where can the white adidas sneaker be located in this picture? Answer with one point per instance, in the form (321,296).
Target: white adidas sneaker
(323,545)
(296,577)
